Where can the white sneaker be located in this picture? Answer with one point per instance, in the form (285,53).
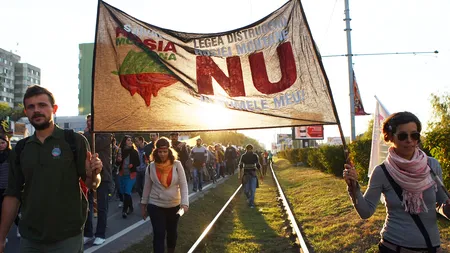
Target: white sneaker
(99,241)
(120,204)
(18,233)
(87,239)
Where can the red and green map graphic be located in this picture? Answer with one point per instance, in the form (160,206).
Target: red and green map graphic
(142,72)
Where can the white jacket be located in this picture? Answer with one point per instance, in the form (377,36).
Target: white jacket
(155,193)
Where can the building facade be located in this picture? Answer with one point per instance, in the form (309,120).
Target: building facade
(15,77)
(85,78)
(77,123)
(25,75)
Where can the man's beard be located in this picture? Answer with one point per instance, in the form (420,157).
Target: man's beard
(42,126)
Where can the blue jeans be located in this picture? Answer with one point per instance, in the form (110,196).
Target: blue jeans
(197,174)
(163,220)
(218,170)
(102,212)
(250,189)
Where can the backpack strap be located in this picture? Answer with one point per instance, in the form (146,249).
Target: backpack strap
(69,136)
(19,148)
(20,179)
(415,217)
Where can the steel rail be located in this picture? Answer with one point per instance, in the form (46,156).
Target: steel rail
(205,232)
(290,216)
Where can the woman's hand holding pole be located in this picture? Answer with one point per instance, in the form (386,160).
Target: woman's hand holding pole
(351,177)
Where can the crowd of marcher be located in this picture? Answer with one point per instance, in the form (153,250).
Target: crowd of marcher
(50,182)
(83,184)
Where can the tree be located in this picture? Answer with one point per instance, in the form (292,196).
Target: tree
(5,110)
(367,135)
(225,137)
(437,139)
(17,113)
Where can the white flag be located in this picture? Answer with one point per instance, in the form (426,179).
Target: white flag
(379,148)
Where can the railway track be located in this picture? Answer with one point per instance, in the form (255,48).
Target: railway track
(290,224)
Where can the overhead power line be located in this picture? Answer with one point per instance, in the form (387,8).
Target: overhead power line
(378,54)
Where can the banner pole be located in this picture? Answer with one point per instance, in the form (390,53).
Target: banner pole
(93,72)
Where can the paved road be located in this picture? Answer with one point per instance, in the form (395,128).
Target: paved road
(120,232)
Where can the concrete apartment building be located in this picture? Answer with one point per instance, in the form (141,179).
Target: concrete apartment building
(15,77)
(85,78)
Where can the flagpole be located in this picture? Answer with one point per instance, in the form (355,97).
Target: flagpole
(381,104)
(350,71)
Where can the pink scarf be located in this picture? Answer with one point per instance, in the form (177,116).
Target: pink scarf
(413,176)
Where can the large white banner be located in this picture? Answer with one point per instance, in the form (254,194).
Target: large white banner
(267,74)
(379,148)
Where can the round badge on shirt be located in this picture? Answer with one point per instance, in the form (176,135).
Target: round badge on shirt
(56,152)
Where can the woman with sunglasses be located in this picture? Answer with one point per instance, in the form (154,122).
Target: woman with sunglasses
(165,194)
(407,180)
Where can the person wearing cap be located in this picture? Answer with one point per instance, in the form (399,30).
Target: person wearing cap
(199,154)
(181,149)
(165,194)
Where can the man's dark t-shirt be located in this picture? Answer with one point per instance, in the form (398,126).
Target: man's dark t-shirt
(183,154)
(148,149)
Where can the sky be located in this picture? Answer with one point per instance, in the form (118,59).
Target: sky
(47,33)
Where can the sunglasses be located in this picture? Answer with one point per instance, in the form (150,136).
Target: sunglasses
(404,136)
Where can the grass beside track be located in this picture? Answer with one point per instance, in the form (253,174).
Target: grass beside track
(243,229)
(327,218)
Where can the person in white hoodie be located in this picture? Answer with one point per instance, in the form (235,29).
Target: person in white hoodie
(165,193)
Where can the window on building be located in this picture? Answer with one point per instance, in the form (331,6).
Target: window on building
(5,61)
(37,73)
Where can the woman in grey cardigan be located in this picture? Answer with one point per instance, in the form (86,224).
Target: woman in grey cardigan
(165,193)
(408,171)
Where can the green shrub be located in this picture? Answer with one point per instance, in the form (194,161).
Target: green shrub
(438,143)
(314,159)
(360,157)
(303,155)
(332,159)
(282,154)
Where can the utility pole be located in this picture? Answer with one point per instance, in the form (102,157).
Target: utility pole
(350,71)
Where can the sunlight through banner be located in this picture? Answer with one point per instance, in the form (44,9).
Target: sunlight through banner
(267,74)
